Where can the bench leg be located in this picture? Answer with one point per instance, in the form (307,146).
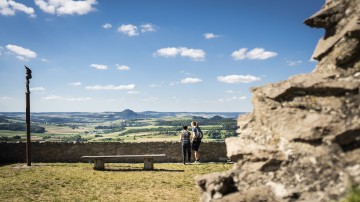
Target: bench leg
(148,163)
(99,164)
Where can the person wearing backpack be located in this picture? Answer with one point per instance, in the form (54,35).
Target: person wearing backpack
(196,140)
(185,137)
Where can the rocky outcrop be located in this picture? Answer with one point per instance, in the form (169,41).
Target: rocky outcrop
(302,140)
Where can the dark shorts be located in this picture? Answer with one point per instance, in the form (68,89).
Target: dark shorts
(195,145)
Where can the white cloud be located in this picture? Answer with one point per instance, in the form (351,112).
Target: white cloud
(97,66)
(44,60)
(260,54)
(238,79)
(9,8)
(69,99)
(239,54)
(191,80)
(194,54)
(130,30)
(293,63)
(148,28)
(210,36)
(5,98)
(133,30)
(111,87)
(107,26)
(254,54)
(167,52)
(21,53)
(230,99)
(66,7)
(37,89)
(75,83)
(122,67)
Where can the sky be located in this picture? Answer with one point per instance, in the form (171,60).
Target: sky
(150,55)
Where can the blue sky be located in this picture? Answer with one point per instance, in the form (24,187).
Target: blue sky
(160,55)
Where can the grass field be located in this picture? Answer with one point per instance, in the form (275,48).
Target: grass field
(119,182)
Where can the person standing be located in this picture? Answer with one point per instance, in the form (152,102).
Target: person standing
(196,140)
(185,138)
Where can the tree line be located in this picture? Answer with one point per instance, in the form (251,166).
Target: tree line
(216,120)
(161,130)
(111,128)
(21,127)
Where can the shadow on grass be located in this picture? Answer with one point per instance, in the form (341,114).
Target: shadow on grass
(134,168)
(137,169)
(5,164)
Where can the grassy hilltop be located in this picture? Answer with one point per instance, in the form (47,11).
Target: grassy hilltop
(120,182)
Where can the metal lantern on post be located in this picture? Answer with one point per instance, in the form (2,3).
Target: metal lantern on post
(27,93)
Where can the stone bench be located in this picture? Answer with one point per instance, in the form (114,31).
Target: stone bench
(99,161)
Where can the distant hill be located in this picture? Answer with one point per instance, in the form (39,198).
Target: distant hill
(216,118)
(4,119)
(129,114)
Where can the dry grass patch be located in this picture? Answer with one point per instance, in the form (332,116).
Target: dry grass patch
(119,182)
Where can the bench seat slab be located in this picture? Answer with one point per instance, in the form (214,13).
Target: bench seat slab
(99,161)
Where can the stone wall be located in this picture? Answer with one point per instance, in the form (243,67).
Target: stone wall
(71,152)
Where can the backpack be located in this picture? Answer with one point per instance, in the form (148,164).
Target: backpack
(199,134)
(185,136)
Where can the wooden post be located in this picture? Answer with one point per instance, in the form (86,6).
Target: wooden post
(28,137)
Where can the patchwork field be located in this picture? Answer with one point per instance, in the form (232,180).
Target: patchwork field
(105,127)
